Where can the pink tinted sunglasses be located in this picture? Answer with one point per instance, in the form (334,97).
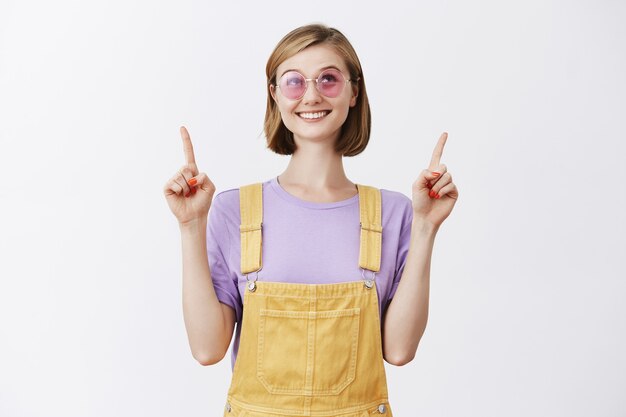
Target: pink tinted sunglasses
(329,83)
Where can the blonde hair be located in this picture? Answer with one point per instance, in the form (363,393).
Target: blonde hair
(355,131)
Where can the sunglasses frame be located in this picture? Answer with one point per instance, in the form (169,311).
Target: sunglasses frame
(317,83)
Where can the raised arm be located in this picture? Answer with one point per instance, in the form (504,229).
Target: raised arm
(208,322)
(434,196)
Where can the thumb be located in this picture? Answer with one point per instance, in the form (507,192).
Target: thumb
(428,177)
(432,175)
(203,182)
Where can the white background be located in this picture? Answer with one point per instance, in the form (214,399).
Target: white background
(528,275)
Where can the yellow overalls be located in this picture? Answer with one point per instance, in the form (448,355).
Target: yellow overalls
(309,349)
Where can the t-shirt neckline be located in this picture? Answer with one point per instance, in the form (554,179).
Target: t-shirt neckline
(275,185)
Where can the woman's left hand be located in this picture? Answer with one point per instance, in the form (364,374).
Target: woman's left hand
(434,193)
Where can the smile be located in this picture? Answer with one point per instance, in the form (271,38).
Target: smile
(314,115)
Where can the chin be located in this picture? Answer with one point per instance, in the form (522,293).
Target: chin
(316,135)
(315,130)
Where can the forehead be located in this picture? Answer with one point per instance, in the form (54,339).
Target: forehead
(310,60)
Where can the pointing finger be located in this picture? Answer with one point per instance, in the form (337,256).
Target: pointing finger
(438,151)
(187,146)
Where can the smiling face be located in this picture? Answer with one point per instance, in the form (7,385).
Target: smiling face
(315,117)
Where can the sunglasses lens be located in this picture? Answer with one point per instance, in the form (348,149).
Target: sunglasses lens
(292,85)
(330,83)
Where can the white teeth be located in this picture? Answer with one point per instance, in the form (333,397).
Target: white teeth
(317,115)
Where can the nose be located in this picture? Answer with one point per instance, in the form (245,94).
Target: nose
(311,95)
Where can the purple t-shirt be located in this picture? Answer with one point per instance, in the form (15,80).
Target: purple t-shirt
(304,242)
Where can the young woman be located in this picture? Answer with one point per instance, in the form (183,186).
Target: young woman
(325,278)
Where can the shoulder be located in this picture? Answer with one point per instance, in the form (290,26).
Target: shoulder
(226,198)
(397,209)
(395,200)
(226,203)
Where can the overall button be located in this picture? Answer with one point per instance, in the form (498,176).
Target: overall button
(382,408)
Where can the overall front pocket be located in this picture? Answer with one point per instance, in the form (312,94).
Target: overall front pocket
(307,352)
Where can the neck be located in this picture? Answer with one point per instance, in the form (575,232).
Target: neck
(315,166)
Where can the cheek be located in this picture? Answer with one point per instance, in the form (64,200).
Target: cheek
(284,108)
(344,116)
(286,114)
(344,107)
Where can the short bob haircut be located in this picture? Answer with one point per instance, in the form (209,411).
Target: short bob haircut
(355,131)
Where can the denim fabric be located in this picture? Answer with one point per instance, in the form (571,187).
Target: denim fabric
(309,349)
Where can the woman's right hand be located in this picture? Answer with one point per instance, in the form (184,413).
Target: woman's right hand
(189,193)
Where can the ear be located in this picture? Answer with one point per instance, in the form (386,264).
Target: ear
(273,91)
(355,94)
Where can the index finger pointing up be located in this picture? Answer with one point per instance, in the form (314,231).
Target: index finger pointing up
(187,146)
(438,151)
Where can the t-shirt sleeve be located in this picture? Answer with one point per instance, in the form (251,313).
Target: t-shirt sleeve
(218,252)
(403,245)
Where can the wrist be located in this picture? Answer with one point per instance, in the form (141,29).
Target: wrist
(198,224)
(423,226)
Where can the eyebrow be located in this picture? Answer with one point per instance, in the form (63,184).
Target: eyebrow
(321,69)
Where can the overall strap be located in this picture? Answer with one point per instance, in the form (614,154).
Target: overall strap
(251,210)
(370,207)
